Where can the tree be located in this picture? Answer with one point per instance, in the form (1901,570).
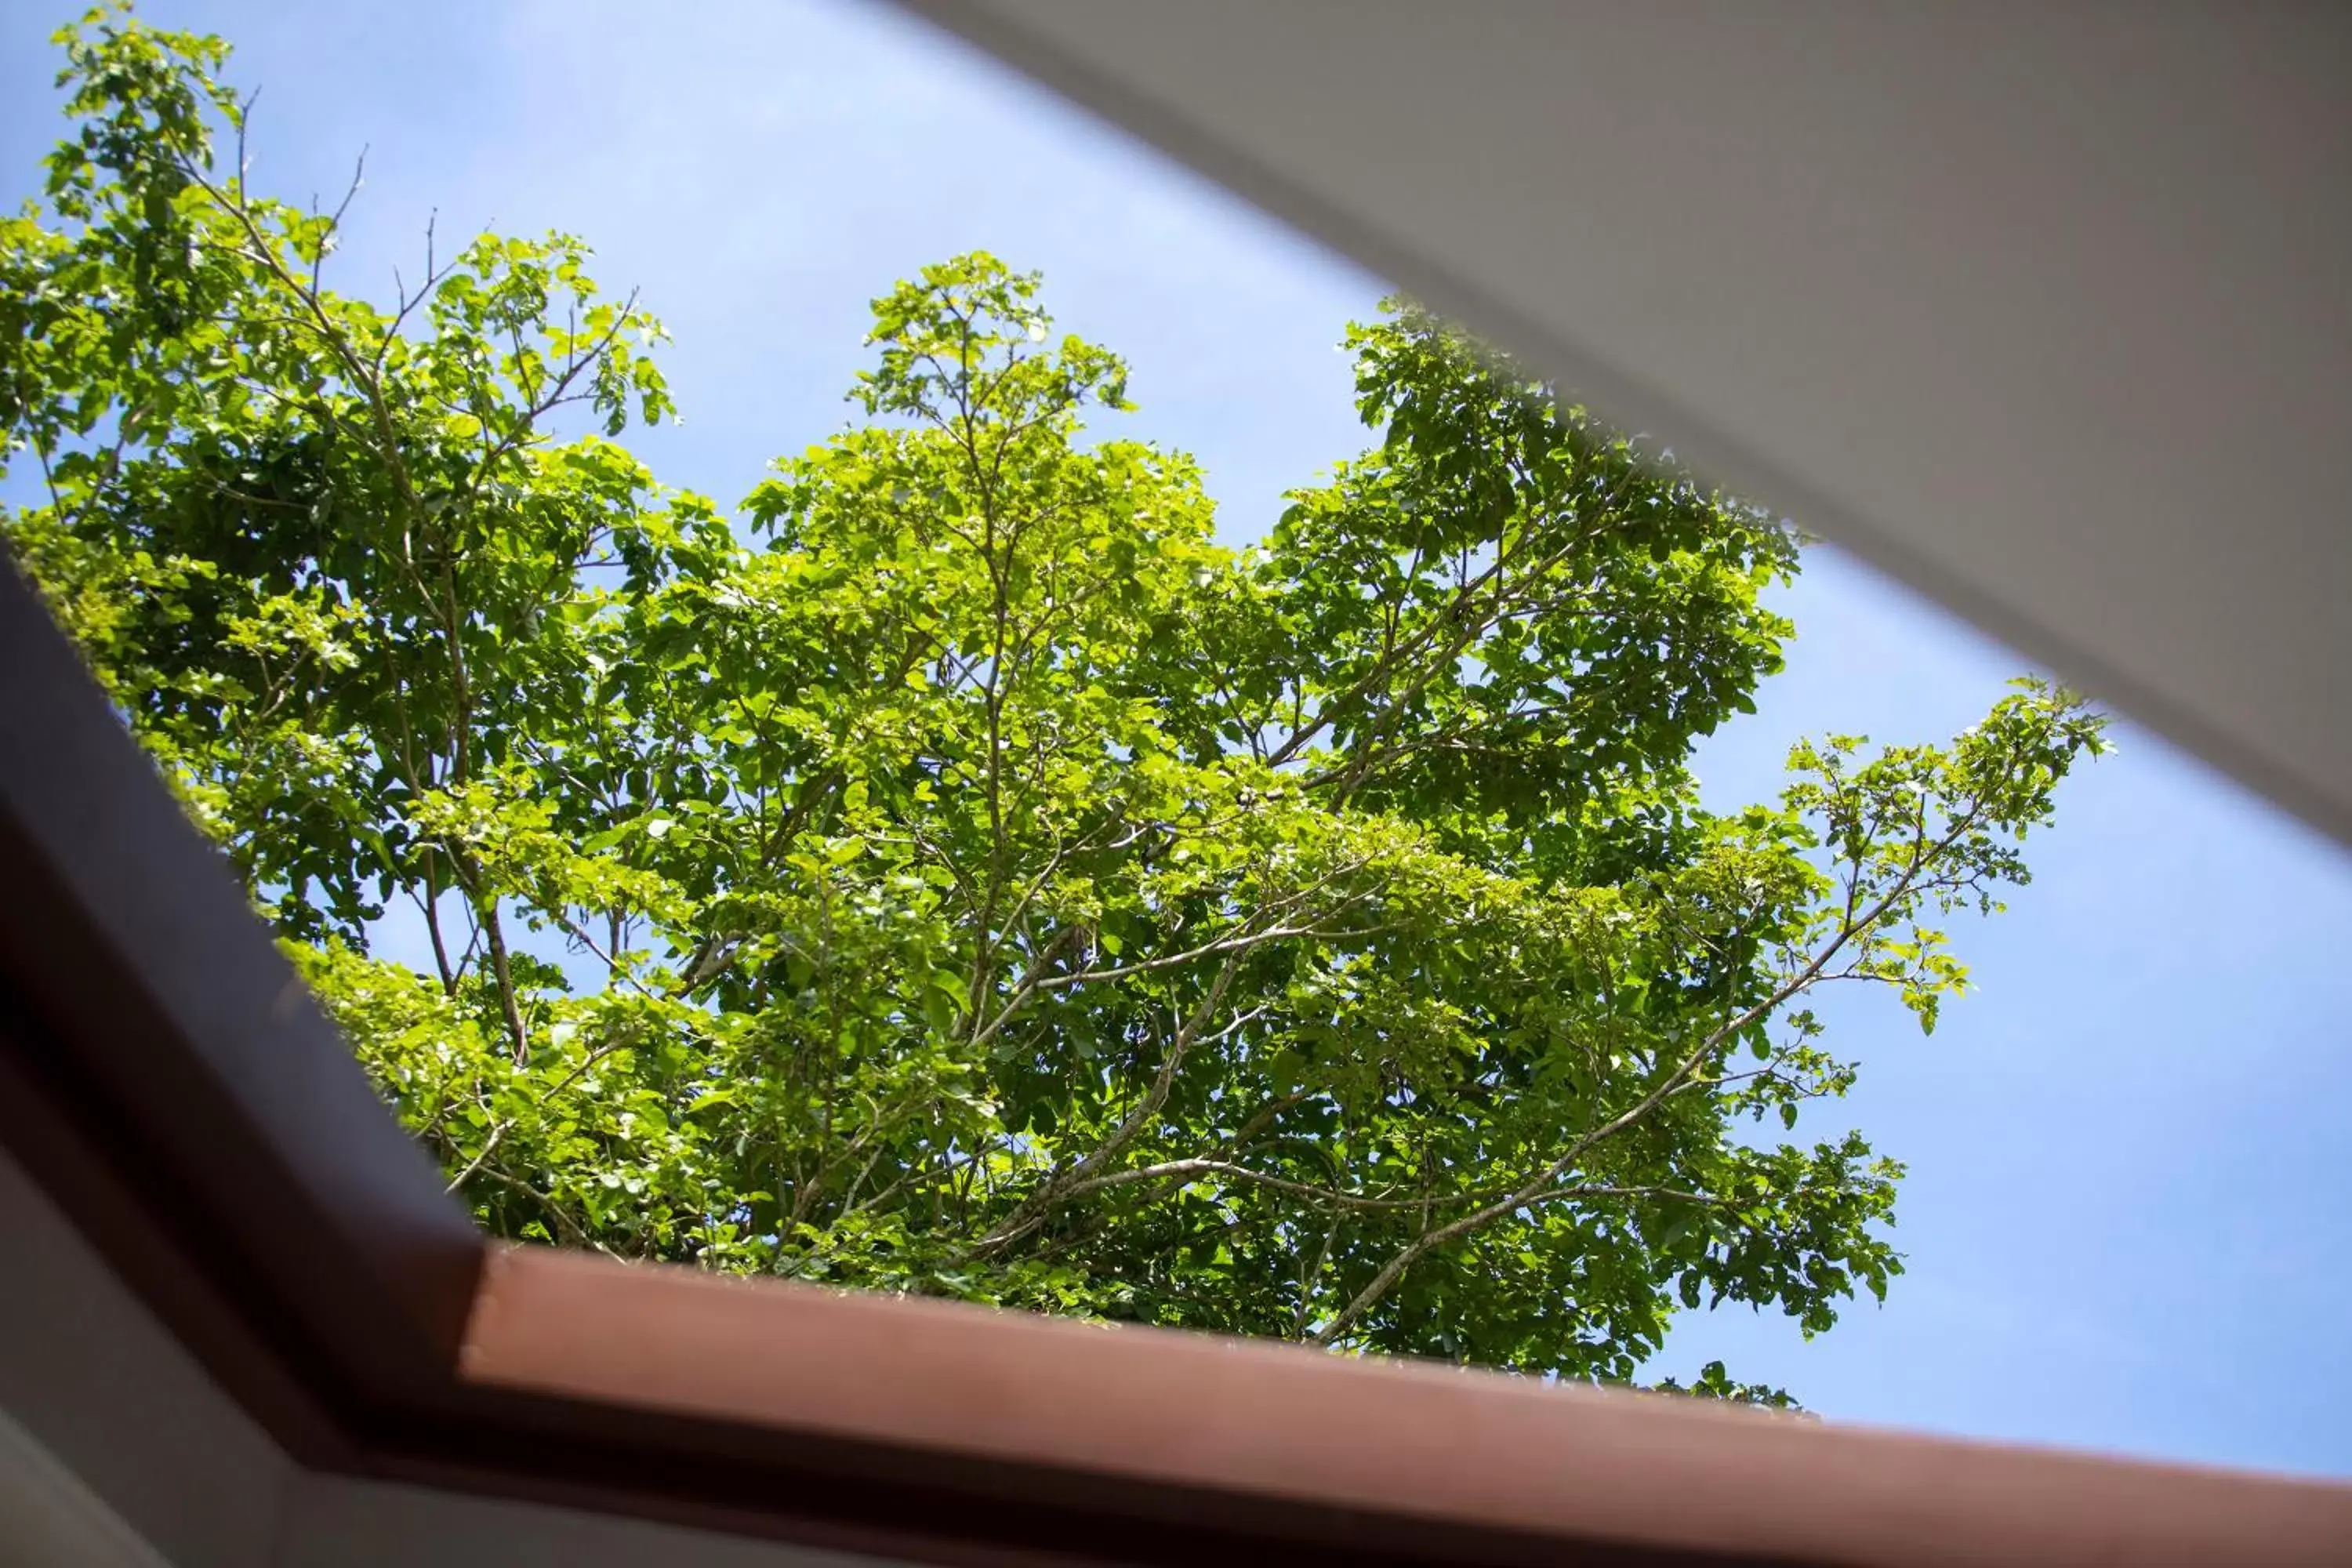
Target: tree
(953,870)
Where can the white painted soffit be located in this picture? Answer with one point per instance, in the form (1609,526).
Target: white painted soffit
(50,1519)
(2045,311)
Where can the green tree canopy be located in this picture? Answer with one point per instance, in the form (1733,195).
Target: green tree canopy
(953,869)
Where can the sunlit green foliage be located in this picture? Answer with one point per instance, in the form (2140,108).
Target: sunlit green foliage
(978,880)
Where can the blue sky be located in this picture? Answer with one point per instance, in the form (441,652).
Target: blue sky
(2125,1224)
